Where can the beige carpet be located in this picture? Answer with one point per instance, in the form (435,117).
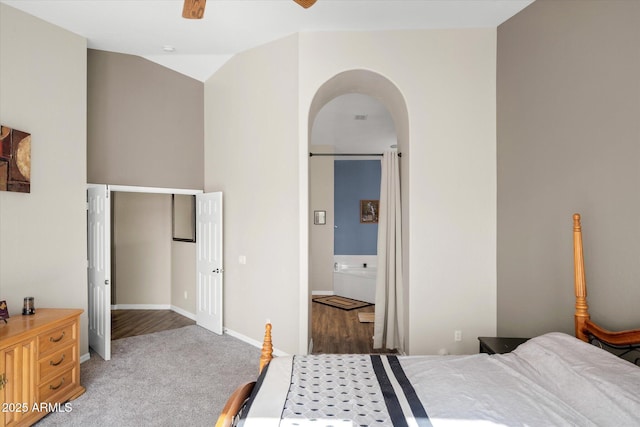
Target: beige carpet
(180,377)
(340,302)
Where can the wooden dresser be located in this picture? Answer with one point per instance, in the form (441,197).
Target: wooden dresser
(39,364)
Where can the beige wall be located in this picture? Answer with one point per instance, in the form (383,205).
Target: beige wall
(142,248)
(146,128)
(568,141)
(451,167)
(321,236)
(145,123)
(43,236)
(149,268)
(260,155)
(251,155)
(183,277)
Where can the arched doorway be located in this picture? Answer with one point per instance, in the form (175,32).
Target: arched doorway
(374,93)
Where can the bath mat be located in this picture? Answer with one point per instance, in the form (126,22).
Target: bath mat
(366,317)
(340,302)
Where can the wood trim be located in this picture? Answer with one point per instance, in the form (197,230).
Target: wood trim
(241,394)
(267,347)
(234,404)
(620,338)
(580,285)
(584,327)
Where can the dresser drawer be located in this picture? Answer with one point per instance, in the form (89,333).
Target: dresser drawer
(56,338)
(57,362)
(39,357)
(56,385)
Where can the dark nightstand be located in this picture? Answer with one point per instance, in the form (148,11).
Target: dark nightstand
(498,345)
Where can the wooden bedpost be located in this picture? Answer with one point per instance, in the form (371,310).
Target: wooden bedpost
(267,347)
(580,284)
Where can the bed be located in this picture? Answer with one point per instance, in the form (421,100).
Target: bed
(554,379)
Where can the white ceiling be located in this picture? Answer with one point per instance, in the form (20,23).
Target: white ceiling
(354,123)
(144,27)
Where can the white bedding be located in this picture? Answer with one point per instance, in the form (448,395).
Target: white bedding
(551,380)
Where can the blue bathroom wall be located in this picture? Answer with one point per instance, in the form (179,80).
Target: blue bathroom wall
(354,180)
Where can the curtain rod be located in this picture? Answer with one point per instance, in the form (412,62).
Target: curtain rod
(349,154)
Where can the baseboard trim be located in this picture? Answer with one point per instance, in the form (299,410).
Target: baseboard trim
(251,341)
(85,357)
(177,309)
(322,293)
(183,312)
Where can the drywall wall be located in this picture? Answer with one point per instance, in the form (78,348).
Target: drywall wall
(355,180)
(251,155)
(183,278)
(145,123)
(142,248)
(321,236)
(43,237)
(447,78)
(568,132)
(256,116)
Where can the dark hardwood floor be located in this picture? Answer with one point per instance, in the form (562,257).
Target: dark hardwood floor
(129,323)
(333,330)
(339,331)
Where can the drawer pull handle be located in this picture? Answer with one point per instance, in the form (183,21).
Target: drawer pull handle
(58,386)
(52,339)
(52,363)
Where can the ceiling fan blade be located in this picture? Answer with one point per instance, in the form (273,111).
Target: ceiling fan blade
(305,3)
(193,9)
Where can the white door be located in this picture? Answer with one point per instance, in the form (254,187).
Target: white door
(99,269)
(209,261)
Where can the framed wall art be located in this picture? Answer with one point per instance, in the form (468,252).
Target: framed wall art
(15,160)
(369,210)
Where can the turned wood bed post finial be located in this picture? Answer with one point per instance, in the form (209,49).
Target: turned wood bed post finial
(267,347)
(582,309)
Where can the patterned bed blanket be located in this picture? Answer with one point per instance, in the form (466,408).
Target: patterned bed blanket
(343,390)
(550,380)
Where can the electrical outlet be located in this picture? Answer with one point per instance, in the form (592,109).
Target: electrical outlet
(457,335)
(185,294)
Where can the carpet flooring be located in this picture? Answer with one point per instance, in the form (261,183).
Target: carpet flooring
(179,377)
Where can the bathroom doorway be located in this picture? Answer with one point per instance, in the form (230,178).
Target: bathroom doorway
(348,137)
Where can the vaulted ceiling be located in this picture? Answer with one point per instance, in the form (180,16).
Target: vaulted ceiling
(155,29)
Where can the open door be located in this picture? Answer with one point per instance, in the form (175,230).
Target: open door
(209,261)
(99,269)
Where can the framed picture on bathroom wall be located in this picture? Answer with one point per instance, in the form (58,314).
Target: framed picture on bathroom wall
(369,211)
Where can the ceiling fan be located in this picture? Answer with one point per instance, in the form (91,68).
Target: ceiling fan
(194,9)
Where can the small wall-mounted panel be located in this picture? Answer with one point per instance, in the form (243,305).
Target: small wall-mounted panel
(319,217)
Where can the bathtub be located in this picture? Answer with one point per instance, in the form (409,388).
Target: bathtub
(351,279)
